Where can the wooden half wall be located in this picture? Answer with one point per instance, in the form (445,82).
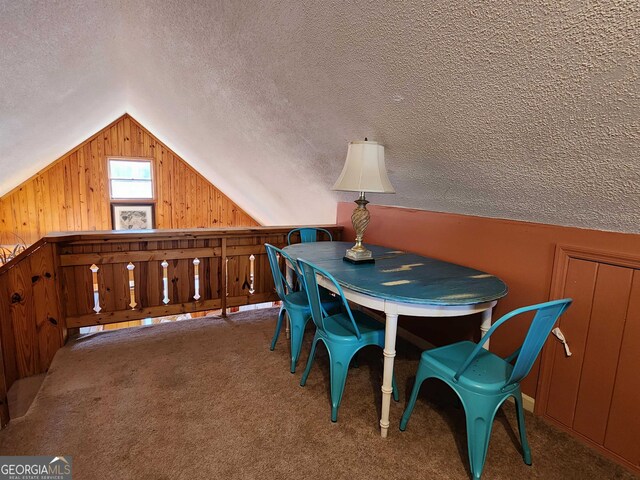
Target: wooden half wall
(72,193)
(520,253)
(71,280)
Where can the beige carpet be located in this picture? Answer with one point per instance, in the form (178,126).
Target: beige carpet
(206,398)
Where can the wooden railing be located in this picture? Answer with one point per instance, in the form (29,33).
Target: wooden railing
(72,280)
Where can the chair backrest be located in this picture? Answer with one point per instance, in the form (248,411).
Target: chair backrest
(308,234)
(545,318)
(279,279)
(309,273)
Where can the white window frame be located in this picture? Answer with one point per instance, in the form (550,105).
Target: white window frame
(131,159)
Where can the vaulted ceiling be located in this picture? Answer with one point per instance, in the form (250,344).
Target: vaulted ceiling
(501,109)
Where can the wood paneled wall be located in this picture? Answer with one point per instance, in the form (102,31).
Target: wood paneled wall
(72,194)
(50,287)
(32,326)
(595,392)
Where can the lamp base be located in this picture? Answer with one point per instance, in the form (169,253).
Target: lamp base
(358,262)
(361,255)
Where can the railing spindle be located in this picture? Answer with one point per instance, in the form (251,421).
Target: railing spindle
(165,282)
(196,278)
(252,261)
(226,275)
(132,286)
(96,296)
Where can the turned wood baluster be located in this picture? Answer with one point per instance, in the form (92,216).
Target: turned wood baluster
(252,261)
(196,278)
(132,286)
(226,275)
(165,282)
(96,296)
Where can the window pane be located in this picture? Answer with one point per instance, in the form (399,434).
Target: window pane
(131,189)
(130,170)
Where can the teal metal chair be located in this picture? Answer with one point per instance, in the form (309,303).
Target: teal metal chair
(483,381)
(294,302)
(308,234)
(343,333)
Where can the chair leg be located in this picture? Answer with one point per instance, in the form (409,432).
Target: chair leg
(421,376)
(312,354)
(278,327)
(339,362)
(479,418)
(526,451)
(297,334)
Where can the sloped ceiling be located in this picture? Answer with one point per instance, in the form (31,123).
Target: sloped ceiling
(501,109)
(59,81)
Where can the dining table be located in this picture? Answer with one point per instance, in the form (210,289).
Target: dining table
(404,283)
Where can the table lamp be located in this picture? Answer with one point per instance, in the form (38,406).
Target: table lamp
(363,171)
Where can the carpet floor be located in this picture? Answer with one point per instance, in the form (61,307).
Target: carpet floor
(205,398)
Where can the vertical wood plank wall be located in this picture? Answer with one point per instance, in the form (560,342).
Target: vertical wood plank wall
(31,321)
(32,324)
(50,287)
(594,393)
(72,194)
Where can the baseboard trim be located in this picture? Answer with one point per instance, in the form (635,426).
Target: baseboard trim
(528,402)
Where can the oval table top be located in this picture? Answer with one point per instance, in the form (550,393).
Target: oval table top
(403,277)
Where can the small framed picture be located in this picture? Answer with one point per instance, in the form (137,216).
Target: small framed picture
(132,217)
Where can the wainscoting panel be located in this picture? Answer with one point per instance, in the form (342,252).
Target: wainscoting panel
(594,393)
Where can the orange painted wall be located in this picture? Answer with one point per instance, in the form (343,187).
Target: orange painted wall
(520,253)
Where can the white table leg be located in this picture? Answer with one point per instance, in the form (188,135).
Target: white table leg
(289,275)
(287,329)
(485,325)
(390,330)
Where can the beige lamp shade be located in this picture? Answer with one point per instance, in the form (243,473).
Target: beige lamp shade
(364,169)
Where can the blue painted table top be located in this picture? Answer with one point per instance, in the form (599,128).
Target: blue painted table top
(402,276)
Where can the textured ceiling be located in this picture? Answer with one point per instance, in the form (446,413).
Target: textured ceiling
(58,83)
(522,110)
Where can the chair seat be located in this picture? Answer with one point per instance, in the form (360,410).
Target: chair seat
(300,300)
(295,304)
(343,333)
(487,380)
(487,374)
(340,329)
